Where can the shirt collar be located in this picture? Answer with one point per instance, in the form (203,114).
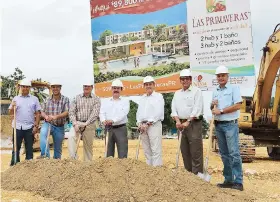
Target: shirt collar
(82,95)
(59,98)
(189,89)
(226,86)
(112,99)
(25,96)
(153,93)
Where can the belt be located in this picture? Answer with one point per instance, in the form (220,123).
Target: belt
(224,122)
(184,120)
(118,126)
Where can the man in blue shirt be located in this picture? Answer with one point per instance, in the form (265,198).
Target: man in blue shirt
(226,103)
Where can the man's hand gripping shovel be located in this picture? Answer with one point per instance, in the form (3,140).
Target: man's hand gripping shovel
(107,128)
(205,175)
(141,131)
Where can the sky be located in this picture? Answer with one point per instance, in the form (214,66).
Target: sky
(49,39)
(134,22)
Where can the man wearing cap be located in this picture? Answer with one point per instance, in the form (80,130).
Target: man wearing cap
(54,111)
(187,111)
(27,108)
(226,103)
(150,114)
(113,115)
(83,113)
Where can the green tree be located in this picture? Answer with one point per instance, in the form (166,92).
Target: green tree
(133,38)
(168,123)
(9,83)
(102,37)
(159,28)
(124,39)
(132,115)
(39,92)
(148,27)
(95,44)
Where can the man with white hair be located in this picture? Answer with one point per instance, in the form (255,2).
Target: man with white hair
(84,111)
(150,114)
(113,115)
(226,103)
(27,108)
(187,110)
(54,111)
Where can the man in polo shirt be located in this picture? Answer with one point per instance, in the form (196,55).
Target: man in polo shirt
(227,100)
(27,108)
(113,114)
(187,110)
(150,114)
(84,111)
(54,111)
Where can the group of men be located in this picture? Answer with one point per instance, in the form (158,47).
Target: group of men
(187,111)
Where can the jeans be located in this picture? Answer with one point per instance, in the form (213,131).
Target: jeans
(228,141)
(28,138)
(58,137)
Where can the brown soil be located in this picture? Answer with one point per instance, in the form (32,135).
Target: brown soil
(112,180)
(263,183)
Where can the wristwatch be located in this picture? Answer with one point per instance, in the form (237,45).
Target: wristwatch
(222,111)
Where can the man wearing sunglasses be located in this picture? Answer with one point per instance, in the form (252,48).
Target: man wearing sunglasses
(150,114)
(84,111)
(113,115)
(54,111)
(187,110)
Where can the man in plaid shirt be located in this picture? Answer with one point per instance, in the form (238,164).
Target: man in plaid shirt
(54,111)
(84,111)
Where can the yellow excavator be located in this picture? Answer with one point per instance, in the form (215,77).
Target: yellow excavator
(260,115)
(259,120)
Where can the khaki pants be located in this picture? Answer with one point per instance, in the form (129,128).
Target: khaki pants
(192,147)
(152,144)
(88,136)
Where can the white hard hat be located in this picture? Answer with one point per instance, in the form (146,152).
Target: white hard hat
(222,70)
(117,83)
(25,82)
(56,83)
(185,72)
(148,79)
(88,82)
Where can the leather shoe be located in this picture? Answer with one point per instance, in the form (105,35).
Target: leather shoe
(238,186)
(225,185)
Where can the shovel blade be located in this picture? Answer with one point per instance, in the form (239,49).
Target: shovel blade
(204,176)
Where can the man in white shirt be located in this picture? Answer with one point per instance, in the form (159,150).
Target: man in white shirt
(113,115)
(187,110)
(150,114)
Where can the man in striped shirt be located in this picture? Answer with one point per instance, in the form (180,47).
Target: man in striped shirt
(84,111)
(54,111)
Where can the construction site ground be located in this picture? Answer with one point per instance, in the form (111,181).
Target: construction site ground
(261,177)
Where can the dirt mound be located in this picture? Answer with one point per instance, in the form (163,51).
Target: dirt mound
(112,180)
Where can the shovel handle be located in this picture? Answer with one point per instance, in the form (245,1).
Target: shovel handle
(138,145)
(209,141)
(47,142)
(15,137)
(178,149)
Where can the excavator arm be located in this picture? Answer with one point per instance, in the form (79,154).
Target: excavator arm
(269,68)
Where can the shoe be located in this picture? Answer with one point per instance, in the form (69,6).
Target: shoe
(238,186)
(225,185)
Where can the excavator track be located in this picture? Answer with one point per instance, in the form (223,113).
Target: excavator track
(246,146)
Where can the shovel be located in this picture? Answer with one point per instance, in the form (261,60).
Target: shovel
(138,145)
(15,137)
(205,175)
(106,140)
(178,148)
(79,139)
(47,142)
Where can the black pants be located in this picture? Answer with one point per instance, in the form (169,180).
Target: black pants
(118,136)
(28,138)
(192,147)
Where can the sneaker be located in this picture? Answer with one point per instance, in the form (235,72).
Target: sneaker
(225,185)
(237,186)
